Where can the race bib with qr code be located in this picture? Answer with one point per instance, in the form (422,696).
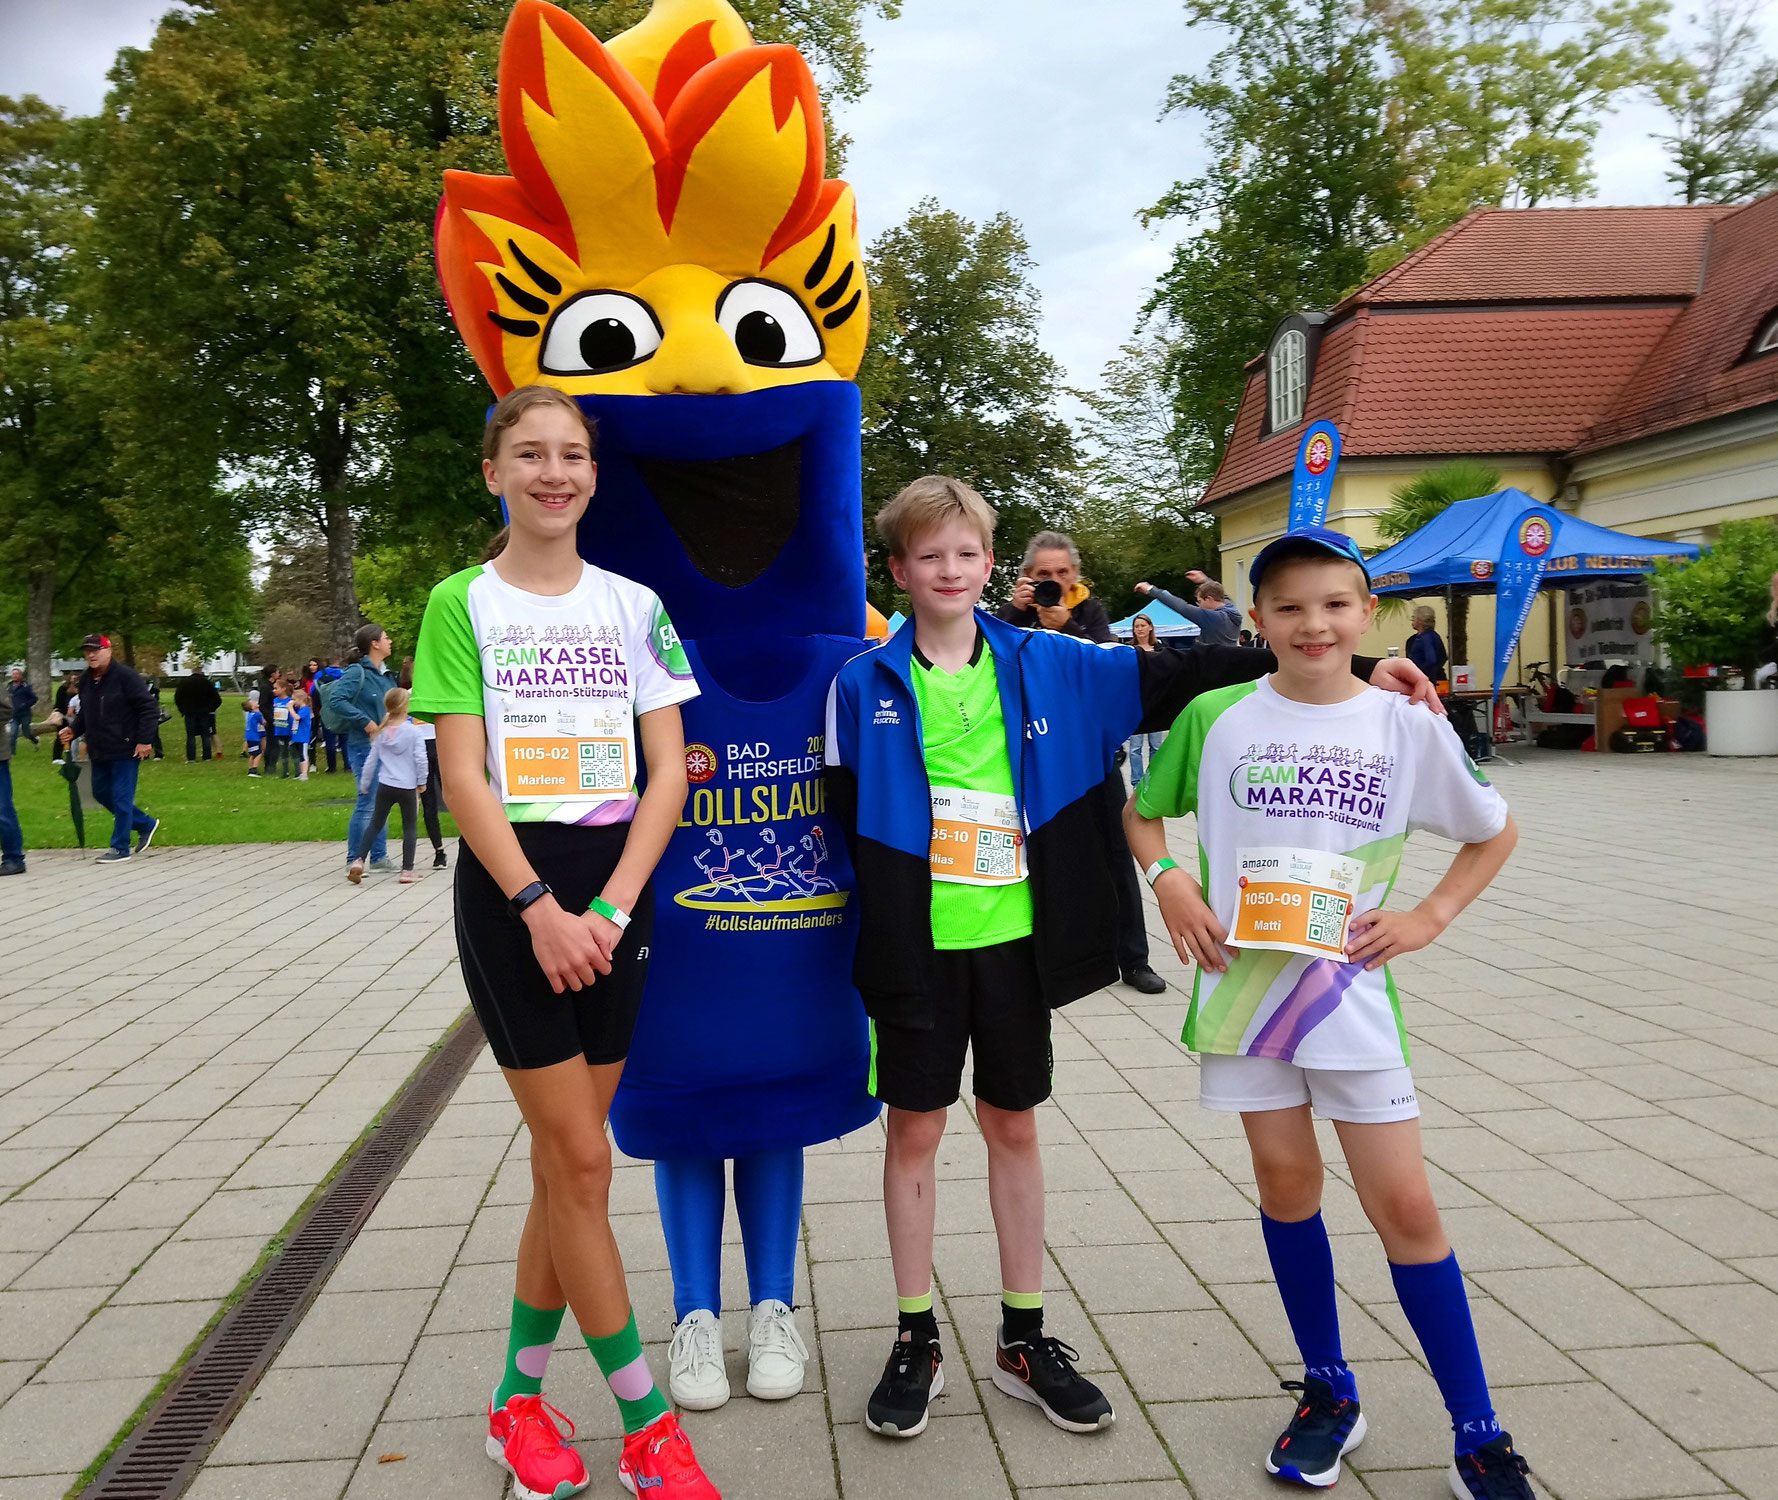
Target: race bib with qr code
(581,762)
(1295,900)
(976,839)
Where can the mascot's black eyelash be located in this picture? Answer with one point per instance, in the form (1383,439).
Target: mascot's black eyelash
(523,327)
(818,271)
(545,282)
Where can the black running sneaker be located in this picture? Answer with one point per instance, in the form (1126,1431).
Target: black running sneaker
(1041,1371)
(1324,1429)
(1493,1472)
(912,1379)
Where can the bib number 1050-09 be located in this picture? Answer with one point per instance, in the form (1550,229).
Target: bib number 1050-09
(1295,900)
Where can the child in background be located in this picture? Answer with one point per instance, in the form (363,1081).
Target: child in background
(397,767)
(302,732)
(1305,786)
(429,798)
(254,739)
(280,745)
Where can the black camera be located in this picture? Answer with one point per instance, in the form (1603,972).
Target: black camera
(1046,593)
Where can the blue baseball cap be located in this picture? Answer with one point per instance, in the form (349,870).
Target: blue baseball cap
(1336,543)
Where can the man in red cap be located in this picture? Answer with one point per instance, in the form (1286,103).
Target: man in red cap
(117,717)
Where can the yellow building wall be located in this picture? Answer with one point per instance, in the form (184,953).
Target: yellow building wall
(1360,494)
(1652,490)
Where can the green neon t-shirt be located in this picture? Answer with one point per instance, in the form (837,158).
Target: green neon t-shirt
(963,735)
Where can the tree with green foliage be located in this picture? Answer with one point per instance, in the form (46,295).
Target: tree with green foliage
(955,381)
(265,178)
(1302,181)
(1425,498)
(1712,611)
(1500,101)
(1141,478)
(1724,105)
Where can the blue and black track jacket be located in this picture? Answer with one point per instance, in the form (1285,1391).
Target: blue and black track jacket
(1068,705)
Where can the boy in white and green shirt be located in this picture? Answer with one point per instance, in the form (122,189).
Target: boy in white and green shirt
(1305,785)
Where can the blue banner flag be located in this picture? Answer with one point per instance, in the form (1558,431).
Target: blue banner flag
(1524,555)
(1317,458)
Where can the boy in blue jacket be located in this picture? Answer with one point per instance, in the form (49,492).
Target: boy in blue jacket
(965,759)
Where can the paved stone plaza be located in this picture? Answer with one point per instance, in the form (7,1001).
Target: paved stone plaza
(1596,1045)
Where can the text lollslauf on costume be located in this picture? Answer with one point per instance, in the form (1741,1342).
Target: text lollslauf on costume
(669,252)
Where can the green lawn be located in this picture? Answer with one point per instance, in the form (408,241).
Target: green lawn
(212,802)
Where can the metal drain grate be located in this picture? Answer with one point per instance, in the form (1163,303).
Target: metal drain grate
(162,1455)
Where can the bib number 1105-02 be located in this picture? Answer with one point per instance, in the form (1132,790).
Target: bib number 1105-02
(976,838)
(1295,900)
(551,767)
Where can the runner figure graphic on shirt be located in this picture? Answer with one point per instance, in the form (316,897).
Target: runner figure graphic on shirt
(721,877)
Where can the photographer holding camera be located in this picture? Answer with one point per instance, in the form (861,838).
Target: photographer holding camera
(1050,596)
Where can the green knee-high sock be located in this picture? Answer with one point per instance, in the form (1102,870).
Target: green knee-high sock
(533,1334)
(639,1400)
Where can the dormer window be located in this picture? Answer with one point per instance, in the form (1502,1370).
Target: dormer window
(1287,377)
(1766,340)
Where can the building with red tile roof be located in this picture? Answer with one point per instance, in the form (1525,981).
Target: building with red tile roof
(1622,362)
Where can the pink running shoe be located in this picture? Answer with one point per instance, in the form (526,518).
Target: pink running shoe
(658,1464)
(524,1440)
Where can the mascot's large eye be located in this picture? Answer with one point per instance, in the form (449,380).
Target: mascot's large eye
(598,332)
(769,326)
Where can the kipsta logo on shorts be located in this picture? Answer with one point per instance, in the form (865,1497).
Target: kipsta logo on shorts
(886,713)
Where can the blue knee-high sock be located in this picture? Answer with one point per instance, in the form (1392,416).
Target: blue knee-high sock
(769,1203)
(1438,1308)
(692,1194)
(1302,1265)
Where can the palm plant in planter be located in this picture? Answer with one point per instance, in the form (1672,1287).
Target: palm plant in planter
(1712,611)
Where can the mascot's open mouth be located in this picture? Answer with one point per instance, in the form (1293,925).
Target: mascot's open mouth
(732,515)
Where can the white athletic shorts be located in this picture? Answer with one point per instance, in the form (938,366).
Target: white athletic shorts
(1363,1096)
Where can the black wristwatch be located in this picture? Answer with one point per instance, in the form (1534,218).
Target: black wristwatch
(528,897)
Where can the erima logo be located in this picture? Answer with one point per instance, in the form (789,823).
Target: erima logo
(886,713)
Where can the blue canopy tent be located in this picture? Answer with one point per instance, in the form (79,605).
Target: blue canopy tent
(1168,624)
(1514,546)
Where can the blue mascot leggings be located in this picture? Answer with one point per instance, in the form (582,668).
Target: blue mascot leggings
(769,1203)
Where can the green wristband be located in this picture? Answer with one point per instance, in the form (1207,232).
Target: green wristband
(1160,868)
(601,907)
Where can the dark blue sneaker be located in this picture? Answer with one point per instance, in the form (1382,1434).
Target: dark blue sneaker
(1325,1428)
(1493,1472)
(113,857)
(143,840)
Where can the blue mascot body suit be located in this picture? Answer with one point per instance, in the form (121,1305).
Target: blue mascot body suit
(669,252)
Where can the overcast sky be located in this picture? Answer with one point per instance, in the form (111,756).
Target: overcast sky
(983,104)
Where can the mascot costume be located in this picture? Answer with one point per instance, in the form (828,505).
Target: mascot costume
(668,251)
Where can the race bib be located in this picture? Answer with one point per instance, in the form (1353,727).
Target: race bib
(1296,900)
(976,839)
(589,758)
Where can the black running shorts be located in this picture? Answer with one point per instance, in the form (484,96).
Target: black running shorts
(528,1024)
(990,1000)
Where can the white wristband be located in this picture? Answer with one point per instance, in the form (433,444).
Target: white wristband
(617,916)
(1159,868)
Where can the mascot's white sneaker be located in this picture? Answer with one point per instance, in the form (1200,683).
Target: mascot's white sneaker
(696,1379)
(776,1352)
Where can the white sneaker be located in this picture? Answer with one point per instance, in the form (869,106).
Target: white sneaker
(696,1379)
(776,1352)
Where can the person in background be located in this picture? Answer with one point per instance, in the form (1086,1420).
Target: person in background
(1143,638)
(24,699)
(269,678)
(12,839)
(429,798)
(1425,649)
(302,732)
(1246,637)
(160,714)
(395,772)
(64,706)
(364,685)
(116,716)
(197,700)
(1052,557)
(1217,619)
(280,716)
(331,741)
(253,740)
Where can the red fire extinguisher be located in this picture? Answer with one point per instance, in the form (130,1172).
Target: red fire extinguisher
(1504,728)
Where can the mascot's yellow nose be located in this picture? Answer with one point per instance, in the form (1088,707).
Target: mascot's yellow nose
(696,356)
